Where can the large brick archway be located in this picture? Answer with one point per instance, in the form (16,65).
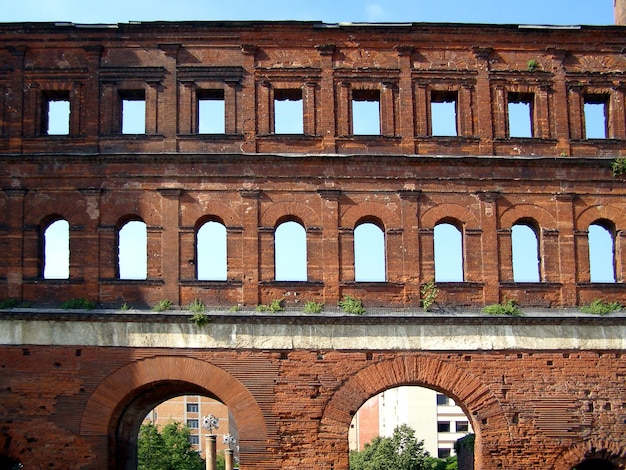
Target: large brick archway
(478,402)
(118,405)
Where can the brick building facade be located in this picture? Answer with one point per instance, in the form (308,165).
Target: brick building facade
(75,387)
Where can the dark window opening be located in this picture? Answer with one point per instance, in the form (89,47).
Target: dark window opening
(366,112)
(520,112)
(443,426)
(192,407)
(192,423)
(443,453)
(288,111)
(442,399)
(443,111)
(462,426)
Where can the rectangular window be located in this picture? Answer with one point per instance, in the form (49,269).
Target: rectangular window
(443,112)
(366,112)
(133,112)
(192,407)
(55,113)
(462,426)
(192,423)
(211,112)
(194,440)
(443,426)
(442,399)
(520,109)
(443,453)
(596,116)
(288,111)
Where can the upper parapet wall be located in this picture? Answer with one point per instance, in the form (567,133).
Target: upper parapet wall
(182,72)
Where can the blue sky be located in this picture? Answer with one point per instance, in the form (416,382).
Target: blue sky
(331,11)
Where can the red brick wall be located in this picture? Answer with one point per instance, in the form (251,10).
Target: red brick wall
(529,409)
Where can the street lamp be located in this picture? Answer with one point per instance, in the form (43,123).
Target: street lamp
(229,440)
(210,423)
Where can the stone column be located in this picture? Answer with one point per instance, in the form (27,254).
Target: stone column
(210,452)
(330,241)
(483,95)
(490,248)
(15,242)
(327,98)
(250,217)
(228,454)
(566,247)
(406,118)
(170,249)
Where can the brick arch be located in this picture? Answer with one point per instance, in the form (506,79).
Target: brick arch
(146,206)
(607,212)
(610,450)
(473,396)
(70,205)
(273,214)
(106,406)
(370,210)
(440,212)
(212,209)
(527,211)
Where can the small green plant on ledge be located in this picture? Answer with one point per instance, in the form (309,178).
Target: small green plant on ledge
(197,306)
(200,318)
(352,305)
(162,305)
(313,307)
(598,307)
(78,304)
(9,303)
(235,308)
(532,65)
(618,167)
(508,307)
(428,294)
(275,305)
(125,306)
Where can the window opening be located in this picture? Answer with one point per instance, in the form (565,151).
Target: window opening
(132,250)
(366,112)
(211,256)
(369,253)
(443,426)
(290,254)
(448,253)
(56,254)
(520,111)
(596,116)
(288,111)
(443,110)
(462,426)
(133,119)
(525,249)
(601,254)
(192,407)
(192,423)
(56,114)
(211,112)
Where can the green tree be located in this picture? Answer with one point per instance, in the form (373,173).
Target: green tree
(169,449)
(401,451)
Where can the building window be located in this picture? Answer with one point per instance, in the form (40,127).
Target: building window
(290,256)
(211,112)
(462,426)
(443,426)
(442,399)
(448,253)
(369,253)
(55,113)
(288,111)
(194,439)
(366,112)
(443,453)
(525,250)
(192,423)
(520,113)
(601,253)
(133,112)
(56,250)
(132,250)
(596,112)
(192,407)
(211,257)
(443,111)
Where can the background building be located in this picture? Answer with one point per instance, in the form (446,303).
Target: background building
(436,419)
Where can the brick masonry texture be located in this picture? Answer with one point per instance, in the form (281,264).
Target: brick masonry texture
(77,407)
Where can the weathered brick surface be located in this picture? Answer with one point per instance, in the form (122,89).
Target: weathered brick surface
(62,407)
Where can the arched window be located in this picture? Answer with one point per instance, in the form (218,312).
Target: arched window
(132,250)
(56,250)
(290,255)
(601,253)
(211,252)
(525,253)
(369,253)
(448,253)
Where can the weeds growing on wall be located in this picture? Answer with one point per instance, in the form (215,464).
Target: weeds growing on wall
(352,305)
